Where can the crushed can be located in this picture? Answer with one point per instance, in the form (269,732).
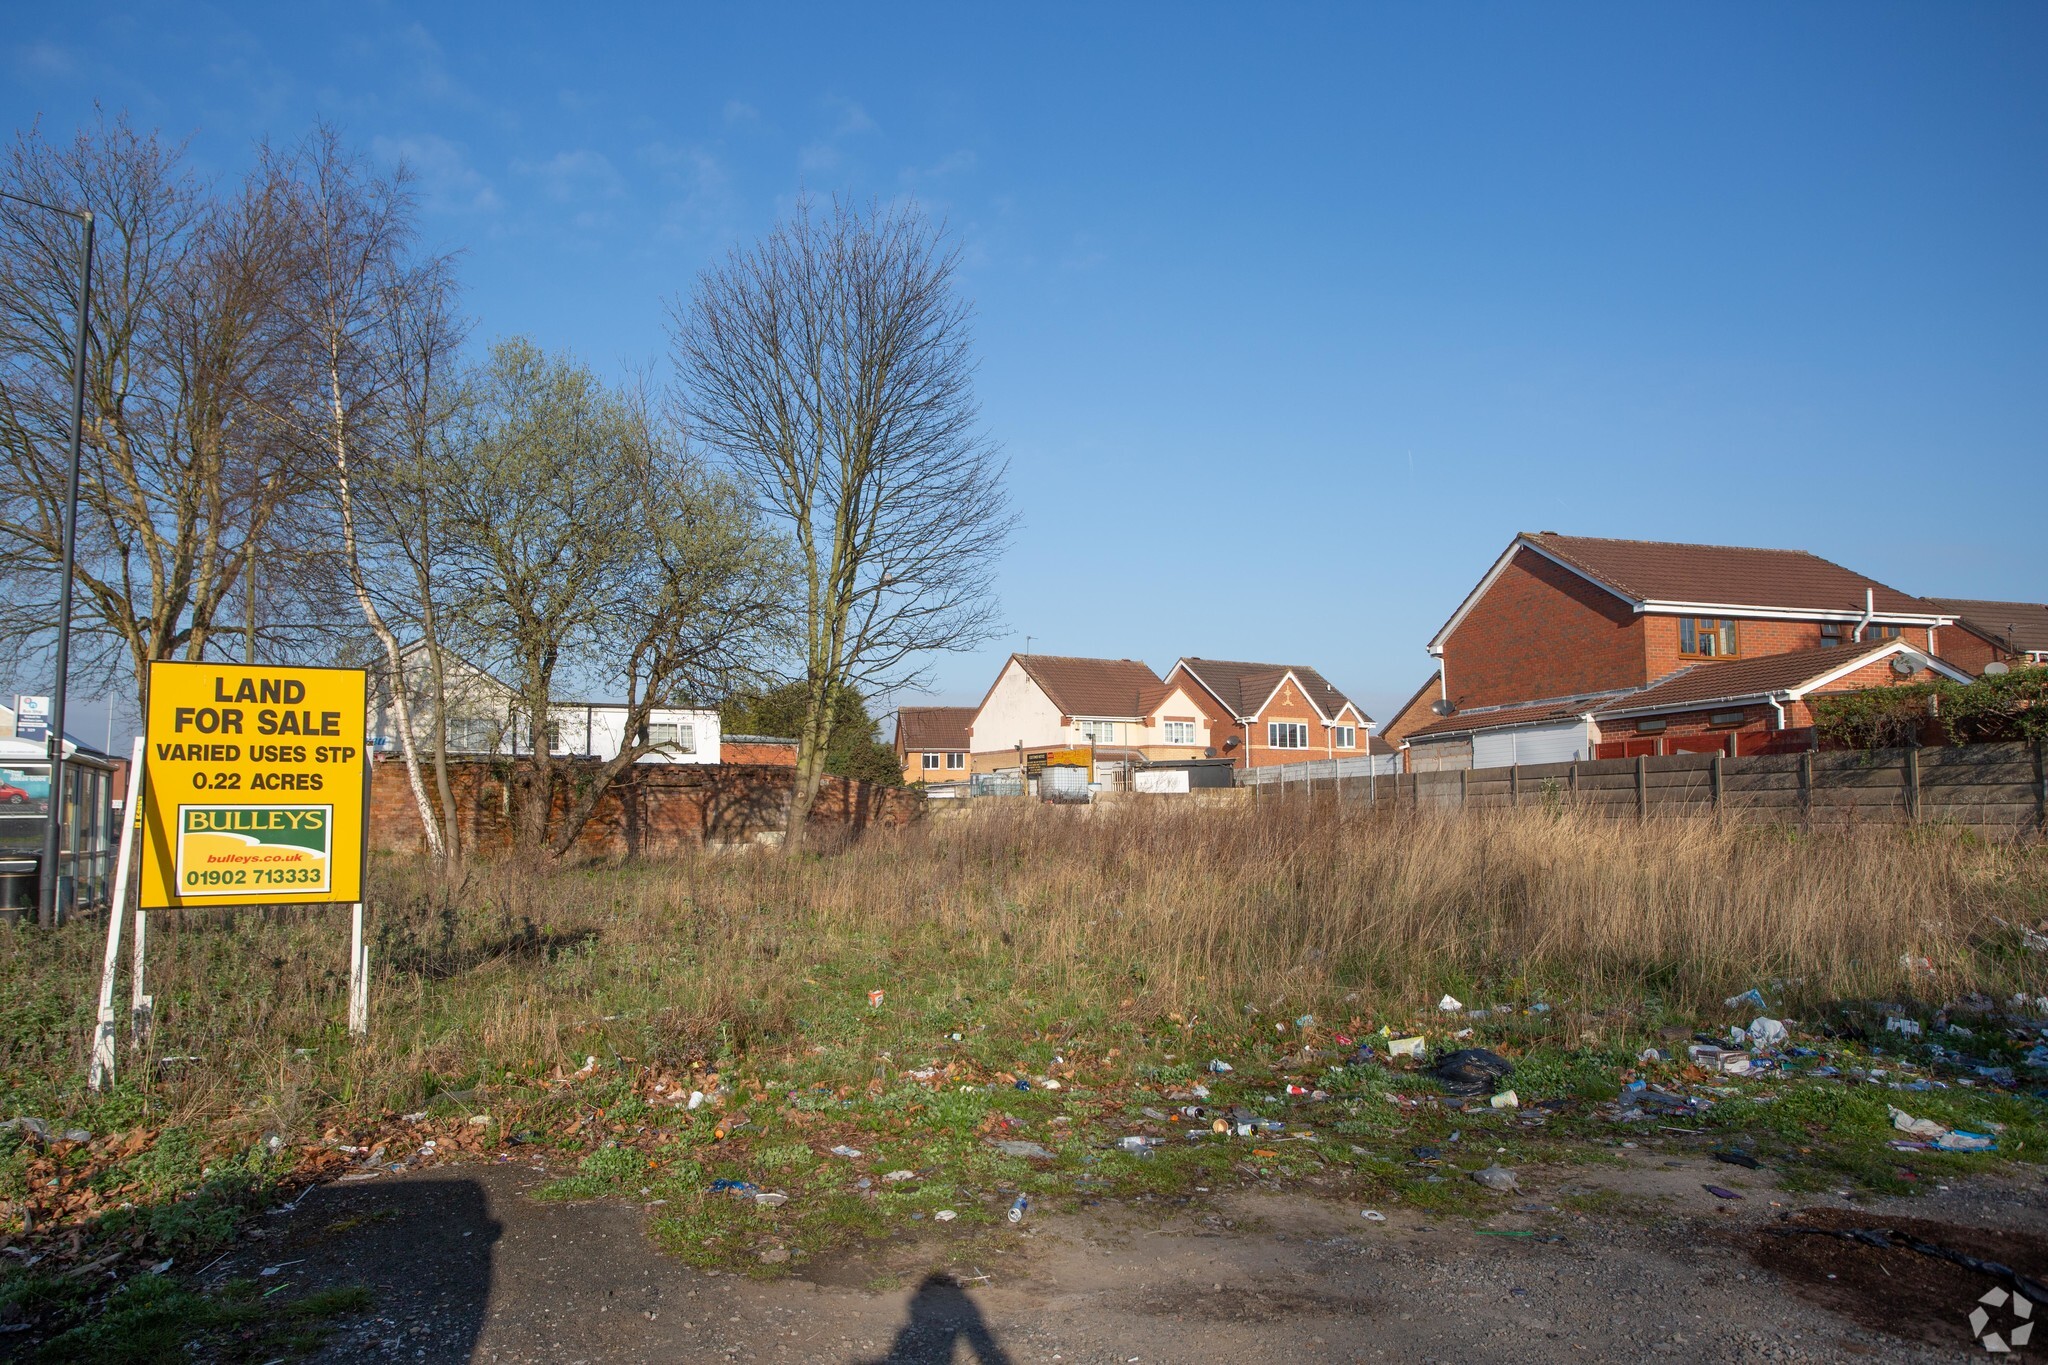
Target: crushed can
(1020,1207)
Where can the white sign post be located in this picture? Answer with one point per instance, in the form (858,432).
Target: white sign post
(117,911)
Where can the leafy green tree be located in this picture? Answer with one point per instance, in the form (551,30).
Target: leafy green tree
(853,747)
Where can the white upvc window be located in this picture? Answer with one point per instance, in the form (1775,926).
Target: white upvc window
(1179,731)
(956,761)
(1096,731)
(673,736)
(932,761)
(1344,736)
(1286,734)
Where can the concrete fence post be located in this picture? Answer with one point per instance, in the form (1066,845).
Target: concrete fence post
(1913,784)
(1515,785)
(1714,783)
(1806,788)
(1464,789)
(1642,789)
(2041,781)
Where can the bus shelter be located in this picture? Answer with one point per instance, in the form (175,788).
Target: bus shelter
(85,862)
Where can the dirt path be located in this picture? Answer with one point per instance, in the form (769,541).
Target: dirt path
(464,1267)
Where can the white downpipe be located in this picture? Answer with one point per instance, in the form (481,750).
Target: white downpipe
(1869,610)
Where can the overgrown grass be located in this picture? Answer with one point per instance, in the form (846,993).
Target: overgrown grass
(1116,950)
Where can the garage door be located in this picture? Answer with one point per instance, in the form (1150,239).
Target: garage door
(1565,743)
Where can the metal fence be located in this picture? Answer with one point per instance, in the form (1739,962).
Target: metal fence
(1323,770)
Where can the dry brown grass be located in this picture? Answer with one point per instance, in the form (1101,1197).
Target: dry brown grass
(1134,911)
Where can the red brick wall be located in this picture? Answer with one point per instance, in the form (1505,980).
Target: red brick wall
(1542,631)
(734,752)
(1289,704)
(1217,726)
(653,810)
(1411,717)
(1753,638)
(1966,649)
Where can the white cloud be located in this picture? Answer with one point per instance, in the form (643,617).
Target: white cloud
(45,59)
(951,164)
(579,175)
(853,119)
(739,111)
(701,197)
(447,180)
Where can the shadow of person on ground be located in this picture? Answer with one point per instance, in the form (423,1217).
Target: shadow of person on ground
(424,1247)
(941,1315)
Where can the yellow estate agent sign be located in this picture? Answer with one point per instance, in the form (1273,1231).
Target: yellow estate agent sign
(256,785)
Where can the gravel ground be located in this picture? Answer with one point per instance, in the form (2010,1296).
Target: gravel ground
(464,1267)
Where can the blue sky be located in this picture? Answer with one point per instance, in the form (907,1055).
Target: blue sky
(1289,317)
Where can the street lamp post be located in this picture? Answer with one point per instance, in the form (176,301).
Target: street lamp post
(53,823)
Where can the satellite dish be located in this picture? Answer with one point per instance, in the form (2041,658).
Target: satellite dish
(1997,670)
(1441,706)
(1904,666)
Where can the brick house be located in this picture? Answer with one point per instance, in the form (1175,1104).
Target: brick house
(1265,714)
(1994,632)
(1413,714)
(1562,627)
(1117,710)
(1744,707)
(932,742)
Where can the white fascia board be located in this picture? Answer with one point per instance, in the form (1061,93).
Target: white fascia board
(1567,718)
(1922,658)
(1500,566)
(1882,618)
(1286,678)
(1705,704)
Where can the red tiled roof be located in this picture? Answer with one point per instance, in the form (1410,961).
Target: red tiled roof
(1708,683)
(2018,627)
(1244,687)
(1465,722)
(1725,575)
(919,728)
(1108,688)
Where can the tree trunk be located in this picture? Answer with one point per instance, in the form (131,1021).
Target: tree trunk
(438,670)
(401,705)
(810,769)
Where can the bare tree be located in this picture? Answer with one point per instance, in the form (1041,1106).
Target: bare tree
(181,480)
(359,296)
(580,541)
(830,364)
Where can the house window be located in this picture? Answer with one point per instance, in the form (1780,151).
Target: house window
(931,762)
(555,745)
(472,734)
(1097,731)
(1286,734)
(1649,726)
(1180,732)
(1706,637)
(1345,736)
(1877,632)
(1830,634)
(1725,717)
(677,738)
(956,761)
